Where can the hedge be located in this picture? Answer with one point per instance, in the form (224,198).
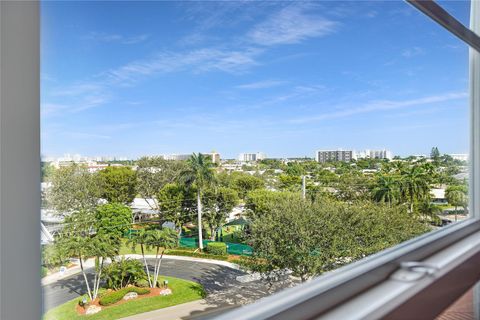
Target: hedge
(190,253)
(217,248)
(111,298)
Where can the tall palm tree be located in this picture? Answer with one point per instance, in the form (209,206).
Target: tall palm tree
(201,174)
(161,240)
(415,185)
(387,189)
(142,238)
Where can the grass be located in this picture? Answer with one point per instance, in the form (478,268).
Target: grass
(183,291)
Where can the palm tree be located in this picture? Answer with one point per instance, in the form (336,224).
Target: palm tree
(387,189)
(427,209)
(200,173)
(415,185)
(165,239)
(141,238)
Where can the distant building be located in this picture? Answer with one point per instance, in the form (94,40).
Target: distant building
(247,157)
(334,155)
(375,154)
(214,156)
(459,156)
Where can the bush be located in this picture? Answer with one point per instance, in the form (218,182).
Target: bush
(217,248)
(142,283)
(120,274)
(116,296)
(186,252)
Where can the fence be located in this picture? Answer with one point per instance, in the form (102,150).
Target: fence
(232,248)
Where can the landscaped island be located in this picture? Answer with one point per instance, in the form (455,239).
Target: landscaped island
(182,291)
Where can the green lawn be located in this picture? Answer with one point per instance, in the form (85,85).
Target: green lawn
(183,291)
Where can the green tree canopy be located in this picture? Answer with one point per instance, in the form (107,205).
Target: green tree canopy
(177,203)
(153,173)
(311,238)
(218,204)
(74,189)
(113,219)
(244,183)
(118,184)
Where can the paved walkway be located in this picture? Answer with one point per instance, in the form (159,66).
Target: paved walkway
(182,311)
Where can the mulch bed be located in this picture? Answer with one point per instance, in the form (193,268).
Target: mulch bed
(153,292)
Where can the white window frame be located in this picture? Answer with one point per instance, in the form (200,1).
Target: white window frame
(20,288)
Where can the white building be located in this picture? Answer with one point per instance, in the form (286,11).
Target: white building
(334,155)
(459,156)
(247,157)
(375,154)
(214,156)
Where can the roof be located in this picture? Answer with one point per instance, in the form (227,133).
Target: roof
(237,222)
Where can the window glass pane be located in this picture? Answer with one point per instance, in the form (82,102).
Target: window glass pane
(307,135)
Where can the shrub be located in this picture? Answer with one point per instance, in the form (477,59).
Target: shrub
(217,248)
(190,253)
(111,298)
(142,283)
(120,274)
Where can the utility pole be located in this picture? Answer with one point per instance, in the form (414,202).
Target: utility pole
(303,187)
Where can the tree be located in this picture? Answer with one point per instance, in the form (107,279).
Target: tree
(160,240)
(457,196)
(244,183)
(387,189)
(176,203)
(118,184)
(260,202)
(113,220)
(153,173)
(74,189)
(142,239)
(414,185)
(290,182)
(311,238)
(200,173)
(430,211)
(78,239)
(218,204)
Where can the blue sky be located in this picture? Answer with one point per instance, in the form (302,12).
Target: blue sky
(284,78)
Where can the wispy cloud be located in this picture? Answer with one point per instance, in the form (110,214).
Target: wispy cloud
(116,38)
(200,60)
(412,52)
(291,25)
(382,105)
(261,84)
(85,135)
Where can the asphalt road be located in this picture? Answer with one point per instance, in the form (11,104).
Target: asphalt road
(213,277)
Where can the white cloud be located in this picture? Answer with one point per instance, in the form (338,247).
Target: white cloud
(382,105)
(108,37)
(415,51)
(261,84)
(200,60)
(291,25)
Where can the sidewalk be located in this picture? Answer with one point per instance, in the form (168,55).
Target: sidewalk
(90,263)
(180,311)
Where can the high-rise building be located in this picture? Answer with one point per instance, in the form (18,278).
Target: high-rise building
(375,154)
(214,156)
(247,157)
(334,155)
